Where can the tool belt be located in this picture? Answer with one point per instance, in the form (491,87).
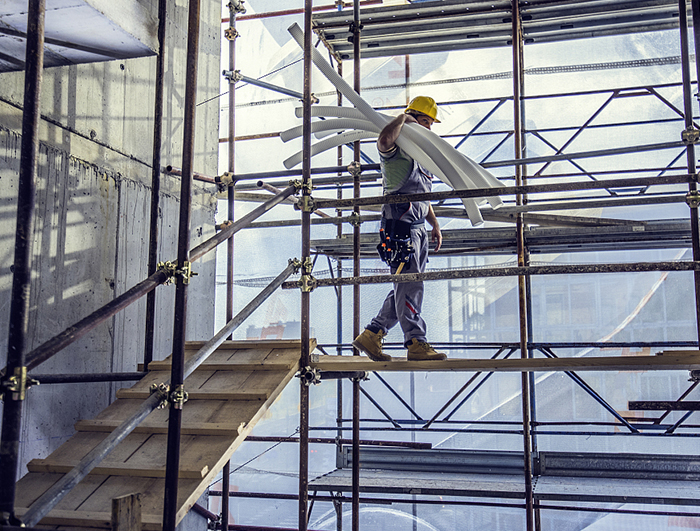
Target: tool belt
(395,245)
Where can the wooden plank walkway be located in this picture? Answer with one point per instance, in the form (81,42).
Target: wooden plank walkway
(228,394)
(664,361)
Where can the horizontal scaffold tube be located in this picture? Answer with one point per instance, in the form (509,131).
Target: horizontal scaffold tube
(635,267)
(510,190)
(43,505)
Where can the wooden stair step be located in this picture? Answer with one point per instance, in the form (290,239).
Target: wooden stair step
(124,469)
(201,395)
(224,405)
(201,428)
(91,519)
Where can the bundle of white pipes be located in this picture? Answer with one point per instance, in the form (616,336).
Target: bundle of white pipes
(427,148)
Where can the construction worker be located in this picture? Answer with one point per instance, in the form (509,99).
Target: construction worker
(403,175)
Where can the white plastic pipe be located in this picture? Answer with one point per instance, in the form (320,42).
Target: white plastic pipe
(330,126)
(329,143)
(475,174)
(354,118)
(410,137)
(407,137)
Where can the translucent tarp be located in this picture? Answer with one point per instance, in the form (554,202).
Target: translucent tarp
(632,307)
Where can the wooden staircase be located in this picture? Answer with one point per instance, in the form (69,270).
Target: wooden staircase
(228,394)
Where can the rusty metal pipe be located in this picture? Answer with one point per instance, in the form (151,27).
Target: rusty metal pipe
(305,295)
(183,256)
(21,278)
(690,150)
(155,182)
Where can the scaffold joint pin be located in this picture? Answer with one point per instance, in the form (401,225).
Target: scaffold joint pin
(162,390)
(17,384)
(690,135)
(296,263)
(354,219)
(172,270)
(231,34)
(307,282)
(301,186)
(693,199)
(226,179)
(310,376)
(233,76)
(236,7)
(355,168)
(306,203)
(178,397)
(224,225)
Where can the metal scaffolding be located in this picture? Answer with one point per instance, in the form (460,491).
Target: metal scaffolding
(520,240)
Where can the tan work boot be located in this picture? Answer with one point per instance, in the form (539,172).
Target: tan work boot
(420,350)
(371,344)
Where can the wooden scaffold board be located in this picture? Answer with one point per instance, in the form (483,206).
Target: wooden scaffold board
(228,394)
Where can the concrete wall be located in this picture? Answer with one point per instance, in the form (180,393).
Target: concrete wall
(92,215)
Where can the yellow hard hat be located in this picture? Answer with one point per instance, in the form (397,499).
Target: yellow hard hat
(424,105)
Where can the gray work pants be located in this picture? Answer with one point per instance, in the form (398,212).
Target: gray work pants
(403,304)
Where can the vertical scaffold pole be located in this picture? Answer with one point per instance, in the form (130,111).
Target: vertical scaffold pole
(180,320)
(16,376)
(356,288)
(155,183)
(339,323)
(305,294)
(231,35)
(690,151)
(522,288)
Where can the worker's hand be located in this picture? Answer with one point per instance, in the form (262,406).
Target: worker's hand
(410,119)
(436,236)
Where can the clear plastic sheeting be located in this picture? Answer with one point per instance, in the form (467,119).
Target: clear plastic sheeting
(584,95)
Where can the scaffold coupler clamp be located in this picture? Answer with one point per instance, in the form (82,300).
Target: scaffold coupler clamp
(354,219)
(307,282)
(693,199)
(694,376)
(178,397)
(233,76)
(236,7)
(231,34)
(296,263)
(226,179)
(355,168)
(690,135)
(173,271)
(352,29)
(310,376)
(224,225)
(306,202)
(17,384)
(216,523)
(163,391)
(363,376)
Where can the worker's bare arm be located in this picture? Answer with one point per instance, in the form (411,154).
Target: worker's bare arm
(435,233)
(387,138)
